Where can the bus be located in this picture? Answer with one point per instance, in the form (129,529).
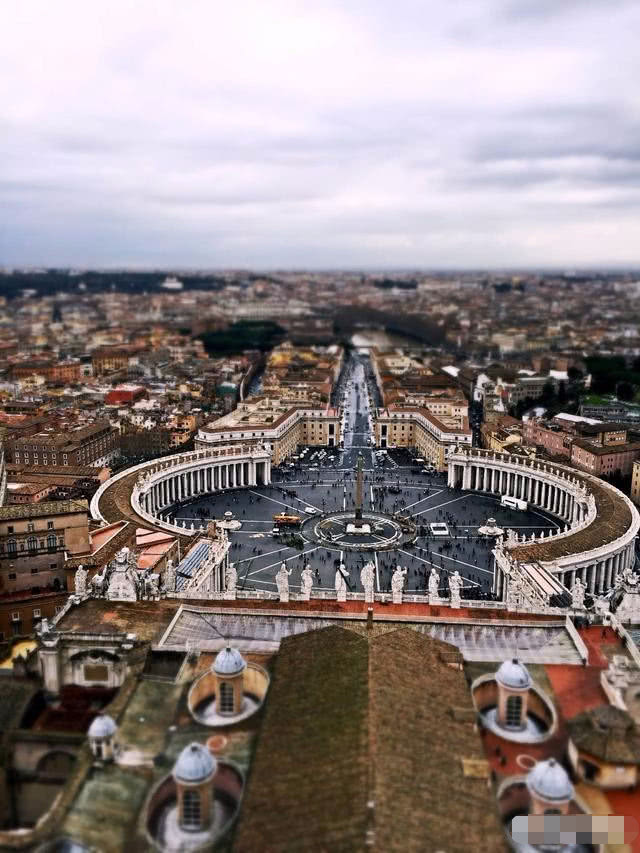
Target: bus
(284,520)
(513,503)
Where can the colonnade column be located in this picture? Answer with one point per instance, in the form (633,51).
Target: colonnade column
(466,477)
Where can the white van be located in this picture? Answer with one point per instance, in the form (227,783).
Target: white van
(513,503)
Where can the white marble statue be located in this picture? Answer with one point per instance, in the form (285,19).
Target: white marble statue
(170,576)
(123,577)
(80,580)
(231,581)
(282,582)
(512,537)
(367,579)
(397,584)
(434,584)
(151,586)
(577,594)
(455,585)
(340,582)
(306,582)
(628,607)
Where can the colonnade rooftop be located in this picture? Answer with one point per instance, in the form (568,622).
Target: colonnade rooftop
(614,512)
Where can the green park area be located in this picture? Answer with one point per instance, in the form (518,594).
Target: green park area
(241,336)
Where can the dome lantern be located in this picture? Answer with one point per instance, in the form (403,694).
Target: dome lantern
(102,737)
(229,667)
(514,682)
(550,788)
(193,773)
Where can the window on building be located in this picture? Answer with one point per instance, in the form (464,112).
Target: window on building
(9,529)
(11,546)
(514,711)
(32,543)
(36,613)
(191,813)
(34,570)
(226,698)
(12,576)
(51,542)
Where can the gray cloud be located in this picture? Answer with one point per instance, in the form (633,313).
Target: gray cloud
(481,132)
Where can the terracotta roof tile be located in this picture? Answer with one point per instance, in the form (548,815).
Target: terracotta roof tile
(359,747)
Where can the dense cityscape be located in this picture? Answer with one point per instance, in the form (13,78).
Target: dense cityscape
(319,426)
(221,493)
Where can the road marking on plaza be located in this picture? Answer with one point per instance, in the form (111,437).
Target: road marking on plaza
(432,495)
(429,563)
(462,562)
(268,554)
(446,503)
(290,506)
(295,556)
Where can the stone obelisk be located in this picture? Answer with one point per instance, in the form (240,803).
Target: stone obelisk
(359,495)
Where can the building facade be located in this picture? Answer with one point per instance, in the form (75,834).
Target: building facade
(397,426)
(35,540)
(96,444)
(282,425)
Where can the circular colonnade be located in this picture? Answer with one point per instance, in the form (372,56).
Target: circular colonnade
(595,545)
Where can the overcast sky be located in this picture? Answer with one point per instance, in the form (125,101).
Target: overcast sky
(434,133)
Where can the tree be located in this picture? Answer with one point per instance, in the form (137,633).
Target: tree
(574,374)
(625,391)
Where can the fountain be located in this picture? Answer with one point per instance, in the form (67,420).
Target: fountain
(490,529)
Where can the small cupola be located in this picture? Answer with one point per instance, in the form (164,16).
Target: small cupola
(514,682)
(102,736)
(550,788)
(229,667)
(193,773)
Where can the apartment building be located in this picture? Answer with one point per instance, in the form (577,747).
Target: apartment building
(95,444)
(283,425)
(398,426)
(600,448)
(635,482)
(53,371)
(35,540)
(604,460)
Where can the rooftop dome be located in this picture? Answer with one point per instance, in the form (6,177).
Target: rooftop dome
(513,674)
(229,662)
(550,781)
(607,733)
(102,727)
(195,764)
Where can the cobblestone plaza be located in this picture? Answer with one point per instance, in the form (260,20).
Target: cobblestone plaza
(390,489)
